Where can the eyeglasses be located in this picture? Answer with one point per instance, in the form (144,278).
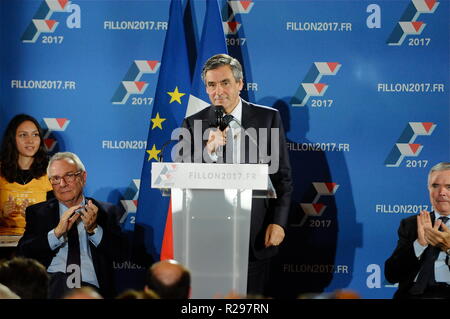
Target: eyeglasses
(68,178)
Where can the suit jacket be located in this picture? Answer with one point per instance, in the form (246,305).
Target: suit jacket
(403,266)
(264,211)
(43,217)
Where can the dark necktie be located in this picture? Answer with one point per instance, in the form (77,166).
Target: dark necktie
(228,147)
(426,274)
(73,244)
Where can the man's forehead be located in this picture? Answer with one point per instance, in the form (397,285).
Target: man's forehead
(440,176)
(62,164)
(223,70)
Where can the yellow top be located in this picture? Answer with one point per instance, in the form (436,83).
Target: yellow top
(35,192)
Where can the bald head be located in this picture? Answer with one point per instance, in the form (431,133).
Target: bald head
(83,293)
(168,271)
(169,279)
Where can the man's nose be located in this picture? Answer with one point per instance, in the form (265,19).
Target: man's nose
(62,183)
(219,89)
(443,191)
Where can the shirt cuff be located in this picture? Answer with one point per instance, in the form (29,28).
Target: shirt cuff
(96,238)
(418,248)
(53,241)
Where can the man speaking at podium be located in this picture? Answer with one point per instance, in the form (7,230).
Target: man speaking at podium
(230,120)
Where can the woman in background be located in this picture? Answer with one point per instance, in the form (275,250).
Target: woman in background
(23,177)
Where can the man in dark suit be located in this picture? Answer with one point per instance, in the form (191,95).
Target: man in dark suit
(423,240)
(266,143)
(92,226)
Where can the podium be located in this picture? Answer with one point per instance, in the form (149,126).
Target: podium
(211,210)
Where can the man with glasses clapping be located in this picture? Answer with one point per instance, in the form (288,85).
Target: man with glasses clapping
(75,237)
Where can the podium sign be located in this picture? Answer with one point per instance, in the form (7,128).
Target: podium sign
(209,176)
(211,210)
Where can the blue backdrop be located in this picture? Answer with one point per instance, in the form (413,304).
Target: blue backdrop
(362,87)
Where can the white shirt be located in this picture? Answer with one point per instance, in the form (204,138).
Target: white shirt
(58,263)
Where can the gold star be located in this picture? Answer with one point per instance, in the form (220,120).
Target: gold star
(157,121)
(153,153)
(175,95)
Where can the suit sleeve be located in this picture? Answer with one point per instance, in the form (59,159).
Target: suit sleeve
(34,242)
(281,179)
(403,263)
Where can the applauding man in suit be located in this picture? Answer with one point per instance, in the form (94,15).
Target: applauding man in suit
(420,262)
(74,237)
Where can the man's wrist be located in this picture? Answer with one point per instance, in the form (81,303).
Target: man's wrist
(57,234)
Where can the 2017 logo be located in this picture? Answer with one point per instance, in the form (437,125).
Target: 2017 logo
(130,205)
(315,209)
(405,146)
(231,26)
(408,24)
(41,22)
(311,85)
(131,83)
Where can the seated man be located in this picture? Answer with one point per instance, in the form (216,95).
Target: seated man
(420,262)
(74,237)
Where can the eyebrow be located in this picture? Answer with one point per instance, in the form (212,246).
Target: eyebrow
(21,131)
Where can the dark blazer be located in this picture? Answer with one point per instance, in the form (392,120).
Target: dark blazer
(43,217)
(403,266)
(264,211)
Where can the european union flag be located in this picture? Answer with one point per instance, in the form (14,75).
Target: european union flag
(171,99)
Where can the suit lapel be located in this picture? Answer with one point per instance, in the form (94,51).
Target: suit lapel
(247,119)
(53,207)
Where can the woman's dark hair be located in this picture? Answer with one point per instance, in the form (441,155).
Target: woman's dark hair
(9,154)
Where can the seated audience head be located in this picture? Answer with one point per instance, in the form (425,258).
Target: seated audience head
(169,279)
(83,293)
(438,181)
(23,140)
(138,294)
(67,175)
(25,276)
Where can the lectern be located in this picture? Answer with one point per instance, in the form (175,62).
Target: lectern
(211,206)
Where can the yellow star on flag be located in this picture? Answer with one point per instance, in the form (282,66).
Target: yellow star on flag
(153,153)
(175,95)
(157,121)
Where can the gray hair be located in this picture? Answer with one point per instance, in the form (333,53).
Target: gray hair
(69,157)
(442,166)
(219,60)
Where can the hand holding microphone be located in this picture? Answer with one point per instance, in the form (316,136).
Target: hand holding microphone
(218,135)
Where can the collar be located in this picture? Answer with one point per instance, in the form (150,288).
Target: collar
(237,111)
(437,215)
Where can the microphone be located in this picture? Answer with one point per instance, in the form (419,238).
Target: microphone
(219,119)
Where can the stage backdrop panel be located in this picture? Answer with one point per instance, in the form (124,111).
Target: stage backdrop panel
(363,96)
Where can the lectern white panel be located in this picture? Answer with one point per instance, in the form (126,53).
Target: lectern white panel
(213,241)
(211,210)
